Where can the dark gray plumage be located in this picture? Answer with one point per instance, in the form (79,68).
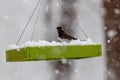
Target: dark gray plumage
(63,35)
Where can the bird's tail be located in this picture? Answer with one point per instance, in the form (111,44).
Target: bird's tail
(74,38)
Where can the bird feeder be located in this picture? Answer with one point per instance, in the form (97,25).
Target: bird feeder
(56,52)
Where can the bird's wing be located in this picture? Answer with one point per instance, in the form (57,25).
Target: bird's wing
(69,36)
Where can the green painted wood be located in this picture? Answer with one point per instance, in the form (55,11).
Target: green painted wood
(53,52)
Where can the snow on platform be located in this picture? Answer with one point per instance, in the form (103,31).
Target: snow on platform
(53,43)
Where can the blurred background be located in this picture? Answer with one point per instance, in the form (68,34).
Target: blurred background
(100,20)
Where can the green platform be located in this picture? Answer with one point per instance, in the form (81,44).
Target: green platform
(53,53)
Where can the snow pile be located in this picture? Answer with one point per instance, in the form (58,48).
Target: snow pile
(53,43)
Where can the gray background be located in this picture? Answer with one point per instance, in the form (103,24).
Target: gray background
(14,15)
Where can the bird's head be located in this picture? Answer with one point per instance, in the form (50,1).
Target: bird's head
(59,28)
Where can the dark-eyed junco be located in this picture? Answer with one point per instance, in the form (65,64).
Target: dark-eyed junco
(63,36)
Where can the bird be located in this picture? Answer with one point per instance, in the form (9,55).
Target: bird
(63,36)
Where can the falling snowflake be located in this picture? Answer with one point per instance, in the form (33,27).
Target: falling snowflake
(105,28)
(47,8)
(108,1)
(58,4)
(117,11)
(108,41)
(18,49)
(64,61)
(111,33)
(76,70)
(6,17)
(57,71)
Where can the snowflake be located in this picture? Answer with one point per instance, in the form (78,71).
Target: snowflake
(117,11)
(6,17)
(111,33)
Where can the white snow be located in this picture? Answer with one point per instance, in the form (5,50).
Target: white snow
(58,4)
(111,33)
(64,61)
(108,1)
(47,8)
(117,11)
(57,71)
(53,43)
(6,17)
(108,41)
(76,70)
